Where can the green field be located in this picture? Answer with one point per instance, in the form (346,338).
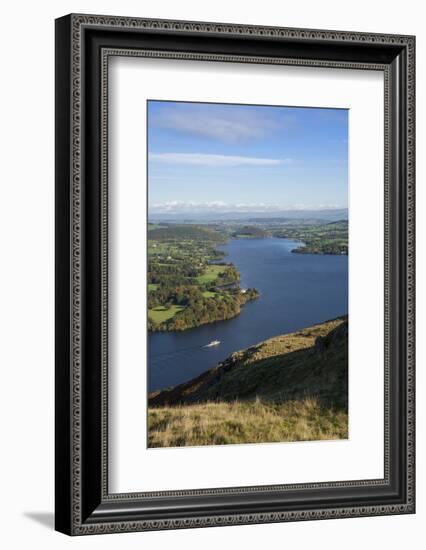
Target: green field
(151,286)
(211,274)
(208,294)
(161,314)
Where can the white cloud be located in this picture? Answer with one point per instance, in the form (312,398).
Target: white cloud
(218,206)
(181,206)
(201,159)
(229,124)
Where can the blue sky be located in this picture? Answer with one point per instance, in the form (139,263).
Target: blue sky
(245,158)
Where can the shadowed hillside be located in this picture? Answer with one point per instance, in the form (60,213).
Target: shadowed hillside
(288,388)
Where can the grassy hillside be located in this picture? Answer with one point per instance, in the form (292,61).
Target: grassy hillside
(289,388)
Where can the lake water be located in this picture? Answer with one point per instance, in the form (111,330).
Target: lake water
(296,291)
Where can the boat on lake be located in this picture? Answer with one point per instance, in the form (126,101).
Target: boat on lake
(212,343)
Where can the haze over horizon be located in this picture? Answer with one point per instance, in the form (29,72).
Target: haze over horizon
(328,215)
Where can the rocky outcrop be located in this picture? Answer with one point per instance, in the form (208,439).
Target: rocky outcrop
(322,343)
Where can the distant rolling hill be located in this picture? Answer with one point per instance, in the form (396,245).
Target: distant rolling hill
(288,388)
(339,223)
(183,232)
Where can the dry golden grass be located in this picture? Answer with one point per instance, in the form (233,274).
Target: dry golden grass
(255,421)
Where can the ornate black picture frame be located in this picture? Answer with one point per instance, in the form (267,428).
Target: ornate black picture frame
(83,45)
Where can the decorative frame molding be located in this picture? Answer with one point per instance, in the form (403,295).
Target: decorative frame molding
(84,43)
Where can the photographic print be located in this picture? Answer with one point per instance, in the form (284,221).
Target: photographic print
(247,292)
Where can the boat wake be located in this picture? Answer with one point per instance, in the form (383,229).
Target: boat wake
(172,355)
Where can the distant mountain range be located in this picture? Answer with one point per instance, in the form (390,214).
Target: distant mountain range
(330,215)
